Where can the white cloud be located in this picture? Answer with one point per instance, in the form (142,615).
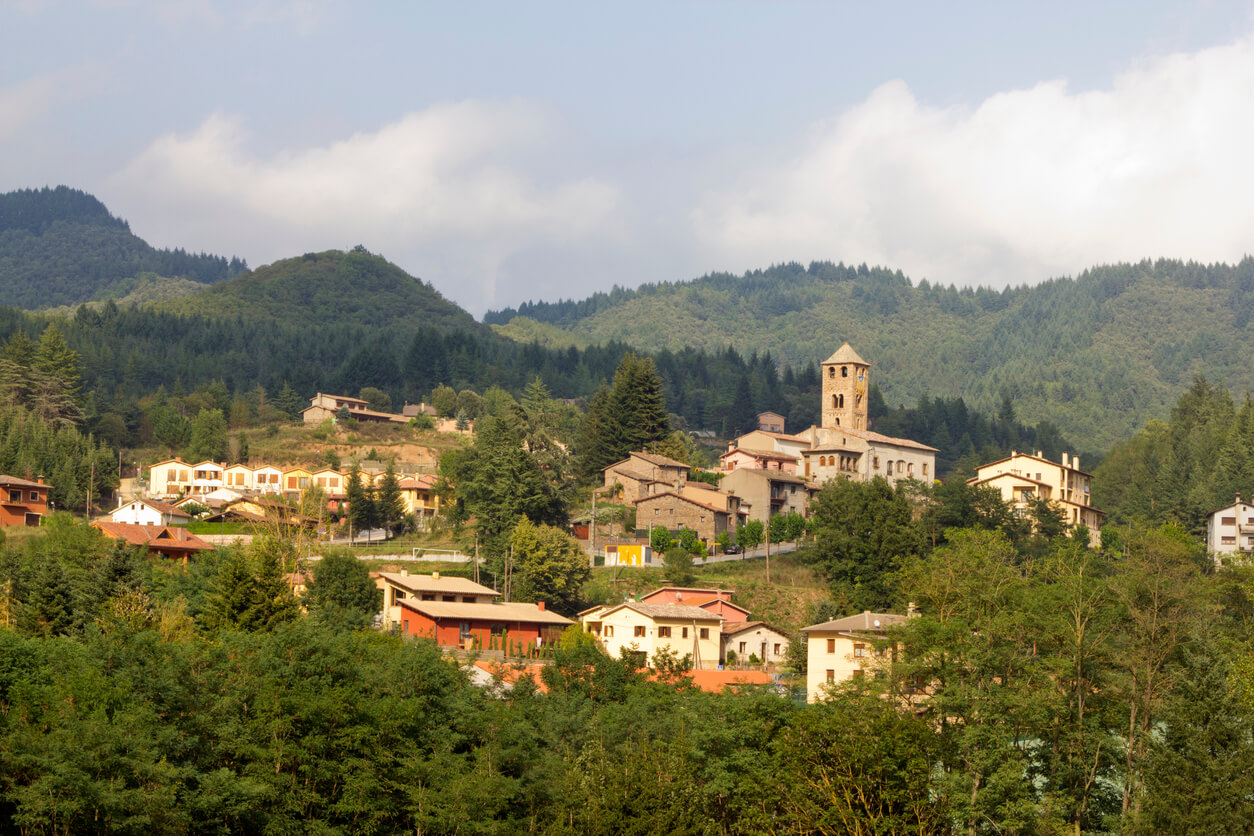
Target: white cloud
(1029,184)
(444,190)
(31,99)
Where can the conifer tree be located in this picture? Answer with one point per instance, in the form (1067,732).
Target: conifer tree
(390,506)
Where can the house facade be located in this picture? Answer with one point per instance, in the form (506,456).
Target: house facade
(707,512)
(149,512)
(846,648)
(1230,530)
(748,639)
(769,492)
(644,629)
(642,474)
(457,612)
(1022,478)
(22,502)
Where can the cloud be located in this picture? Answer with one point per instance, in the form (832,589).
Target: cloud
(30,100)
(1028,184)
(443,191)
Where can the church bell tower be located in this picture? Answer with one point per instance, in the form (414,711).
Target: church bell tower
(845,382)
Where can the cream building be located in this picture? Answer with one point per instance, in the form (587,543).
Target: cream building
(1022,478)
(847,648)
(643,629)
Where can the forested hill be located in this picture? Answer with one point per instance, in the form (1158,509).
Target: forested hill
(1097,355)
(332,287)
(62,246)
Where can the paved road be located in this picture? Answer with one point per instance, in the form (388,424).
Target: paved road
(751,554)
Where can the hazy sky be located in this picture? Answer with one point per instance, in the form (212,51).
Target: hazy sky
(514,151)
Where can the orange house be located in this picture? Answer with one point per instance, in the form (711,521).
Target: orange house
(22,502)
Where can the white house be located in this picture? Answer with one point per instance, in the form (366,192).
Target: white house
(149,512)
(1230,530)
(846,648)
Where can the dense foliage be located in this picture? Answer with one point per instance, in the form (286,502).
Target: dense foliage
(1072,691)
(1185,468)
(1098,355)
(61,246)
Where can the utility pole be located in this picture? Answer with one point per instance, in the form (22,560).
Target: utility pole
(768,551)
(91,484)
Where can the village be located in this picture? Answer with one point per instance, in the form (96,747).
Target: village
(764,475)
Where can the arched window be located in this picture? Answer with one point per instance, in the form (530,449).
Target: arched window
(840,401)
(844,371)
(838,422)
(831,371)
(835,403)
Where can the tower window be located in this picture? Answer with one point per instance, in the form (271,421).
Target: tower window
(831,371)
(840,401)
(844,371)
(835,403)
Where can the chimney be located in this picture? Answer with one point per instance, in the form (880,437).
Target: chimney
(540,604)
(39,479)
(404,573)
(1075,462)
(1040,454)
(912,610)
(435,576)
(1065,458)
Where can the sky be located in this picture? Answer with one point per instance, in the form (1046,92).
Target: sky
(507,152)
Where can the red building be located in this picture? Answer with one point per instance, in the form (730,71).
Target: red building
(165,540)
(713,600)
(454,624)
(22,502)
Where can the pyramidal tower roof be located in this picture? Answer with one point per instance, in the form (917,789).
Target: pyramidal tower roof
(846,354)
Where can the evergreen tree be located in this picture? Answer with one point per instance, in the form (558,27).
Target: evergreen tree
(289,402)
(341,591)
(390,506)
(1199,777)
(361,506)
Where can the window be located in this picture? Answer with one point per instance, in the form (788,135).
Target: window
(639,631)
(498,629)
(1228,541)
(831,371)
(890,468)
(840,401)
(705,632)
(881,652)
(831,645)
(427,596)
(776,651)
(609,631)
(742,648)
(844,371)
(858,673)
(925,468)
(685,633)
(1228,521)
(15,496)
(859,651)
(448,598)
(468,599)
(910,469)
(291,482)
(831,676)
(875,462)
(662,632)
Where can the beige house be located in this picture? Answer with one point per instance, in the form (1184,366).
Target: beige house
(754,638)
(149,512)
(268,479)
(760,459)
(643,629)
(418,494)
(768,492)
(322,406)
(845,649)
(172,477)
(1022,478)
(706,511)
(642,474)
(238,477)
